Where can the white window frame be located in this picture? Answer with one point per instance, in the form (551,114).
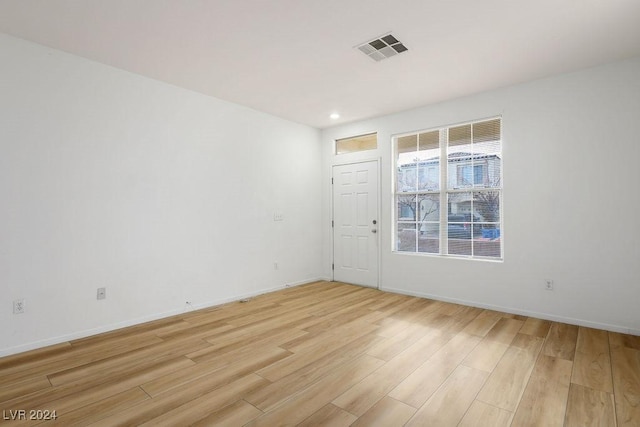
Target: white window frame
(444,191)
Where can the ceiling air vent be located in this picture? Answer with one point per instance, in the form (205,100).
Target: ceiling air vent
(382,48)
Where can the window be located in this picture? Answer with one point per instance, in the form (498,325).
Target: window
(470,175)
(463,217)
(357,143)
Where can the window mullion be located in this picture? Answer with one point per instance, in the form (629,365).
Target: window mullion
(472,182)
(444,186)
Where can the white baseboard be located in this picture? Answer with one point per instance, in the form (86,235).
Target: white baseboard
(108,328)
(511,310)
(114,326)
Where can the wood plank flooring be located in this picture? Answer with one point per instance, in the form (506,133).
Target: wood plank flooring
(331,354)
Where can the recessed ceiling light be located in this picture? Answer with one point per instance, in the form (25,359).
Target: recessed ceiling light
(334,116)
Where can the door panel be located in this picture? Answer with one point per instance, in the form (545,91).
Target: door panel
(355,216)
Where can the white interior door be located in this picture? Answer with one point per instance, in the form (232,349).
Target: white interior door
(355,223)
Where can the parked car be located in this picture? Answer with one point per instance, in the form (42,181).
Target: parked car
(461,226)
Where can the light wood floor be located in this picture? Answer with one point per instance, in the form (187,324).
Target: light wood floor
(333,354)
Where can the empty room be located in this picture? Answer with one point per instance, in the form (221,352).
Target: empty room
(257,213)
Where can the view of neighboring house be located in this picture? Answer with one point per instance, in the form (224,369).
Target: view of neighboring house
(465,170)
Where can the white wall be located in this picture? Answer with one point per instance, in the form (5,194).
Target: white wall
(161,195)
(571,200)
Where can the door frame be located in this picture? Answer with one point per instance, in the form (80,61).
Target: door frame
(378,164)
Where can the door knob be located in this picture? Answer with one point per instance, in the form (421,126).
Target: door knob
(374,231)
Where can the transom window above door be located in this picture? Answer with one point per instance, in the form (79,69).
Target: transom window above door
(357,143)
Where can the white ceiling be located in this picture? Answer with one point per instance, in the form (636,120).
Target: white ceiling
(296,58)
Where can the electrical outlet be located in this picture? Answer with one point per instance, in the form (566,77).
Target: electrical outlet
(275,266)
(548,284)
(102,293)
(18,306)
